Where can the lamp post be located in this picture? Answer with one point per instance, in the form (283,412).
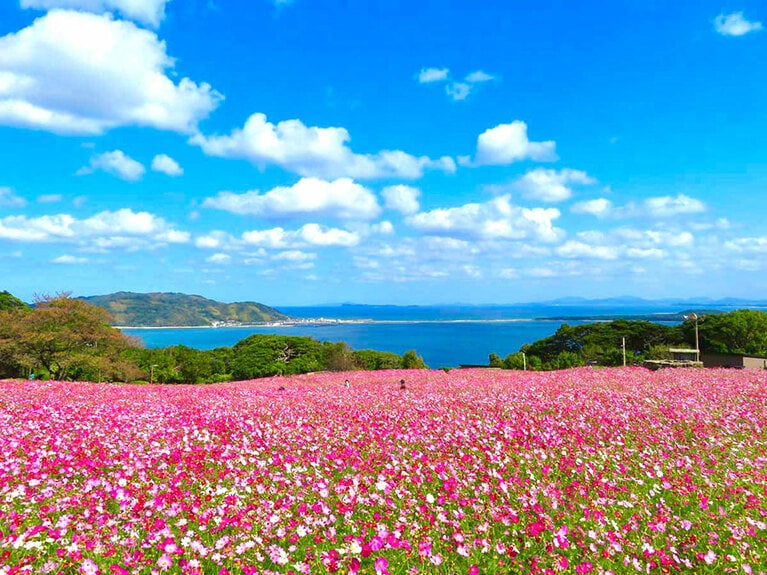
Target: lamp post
(151,372)
(694,317)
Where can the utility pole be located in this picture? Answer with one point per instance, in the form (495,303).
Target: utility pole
(524,361)
(623,346)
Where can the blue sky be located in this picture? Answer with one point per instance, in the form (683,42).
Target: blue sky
(310,151)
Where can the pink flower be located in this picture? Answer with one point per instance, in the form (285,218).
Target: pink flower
(382,566)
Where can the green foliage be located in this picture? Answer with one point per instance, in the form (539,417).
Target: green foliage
(742,331)
(267,355)
(411,360)
(494,360)
(64,338)
(601,343)
(9,301)
(514,361)
(371,360)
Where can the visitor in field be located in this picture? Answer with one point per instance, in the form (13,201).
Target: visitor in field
(402,384)
(346,383)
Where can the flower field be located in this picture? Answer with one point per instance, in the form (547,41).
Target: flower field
(471,471)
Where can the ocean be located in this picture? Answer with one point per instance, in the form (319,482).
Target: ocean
(445,336)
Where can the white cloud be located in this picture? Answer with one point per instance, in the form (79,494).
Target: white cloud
(115,163)
(601,207)
(150,12)
(166,165)
(79,73)
(497,219)
(10,200)
(317,235)
(307,235)
(401,198)
(508,143)
(756,245)
(295,256)
(219,258)
(314,152)
(341,198)
(551,185)
(122,228)
(735,24)
(660,207)
(69,259)
(458,90)
(427,75)
(667,206)
(576,249)
(478,77)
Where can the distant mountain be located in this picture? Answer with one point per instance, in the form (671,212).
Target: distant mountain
(177,309)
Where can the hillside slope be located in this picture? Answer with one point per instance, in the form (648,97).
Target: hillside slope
(177,309)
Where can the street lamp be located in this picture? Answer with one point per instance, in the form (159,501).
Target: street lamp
(695,318)
(151,372)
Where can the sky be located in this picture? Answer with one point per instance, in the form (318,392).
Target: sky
(301,152)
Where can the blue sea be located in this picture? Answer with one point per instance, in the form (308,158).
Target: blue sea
(445,336)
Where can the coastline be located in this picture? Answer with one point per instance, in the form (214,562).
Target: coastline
(323,322)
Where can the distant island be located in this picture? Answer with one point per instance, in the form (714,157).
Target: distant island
(182,310)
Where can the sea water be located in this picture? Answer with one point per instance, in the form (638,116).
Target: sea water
(445,336)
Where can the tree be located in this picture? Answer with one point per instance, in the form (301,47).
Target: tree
(742,331)
(411,360)
(494,360)
(66,338)
(9,301)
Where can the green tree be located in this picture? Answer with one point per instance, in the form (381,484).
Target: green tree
(371,360)
(9,301)
(742,331)
(267,355)
(494,360)
(411,360)
(67,338)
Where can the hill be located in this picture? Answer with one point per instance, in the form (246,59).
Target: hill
(177,309)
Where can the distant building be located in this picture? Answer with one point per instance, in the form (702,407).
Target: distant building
(734,360)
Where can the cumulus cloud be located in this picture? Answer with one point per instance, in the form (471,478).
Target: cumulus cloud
(69,259)
(115,163)
(428,75)
(80,73)
(735,24)
(508,143)
(219,258)
(551,185)
(279,238)
(10,200)
(150,12)
(165,164)
(401,198)
(309,234)
(313,152)
(660,207)
(577,249)
(341,198)
(600,207)
(122,228)
(497,219)
(667,206)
